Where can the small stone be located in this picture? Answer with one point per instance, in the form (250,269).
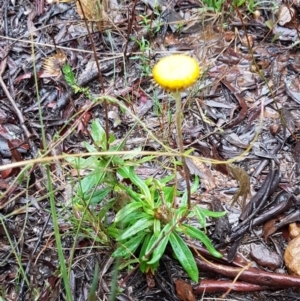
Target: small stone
(275,129)
(256,14)
(265,257)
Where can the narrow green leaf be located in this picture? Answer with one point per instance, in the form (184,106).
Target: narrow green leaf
(167,179)
(144,159)
(132,155)
(136,227)
(127,210)
(135,196)
(169,194)
(128,172)
(156,227)
(129,247)
(99,195)
(143,264)
(69,74)
(131,218)
(198,234)
(90,148)
(195,185)
(200,216)
(193,190)
(184,199)
(184,256)
(161,247)
(105,209)
(88,183)
(98,134)
(113,231)
(210,213)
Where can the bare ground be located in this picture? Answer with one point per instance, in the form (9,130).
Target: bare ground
(248,96)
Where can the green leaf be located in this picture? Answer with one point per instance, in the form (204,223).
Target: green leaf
(98,196)
(113,231)
(127,210)
(81,163)
(144,267)
(161,247)
(112,138)
(210,213)
(128,172)
(202,214)
(193,190)
(167,179)
(132,155)
(156,227)
(90,148)
(98,134)
(195,185)
(169,194)
(105,208)
(180,212)
(184,256)
(134,195)
(136,227)
(88,182)
(129,247)
(131,218)
(201,217)
(198,234)
(69,74)
(144,159)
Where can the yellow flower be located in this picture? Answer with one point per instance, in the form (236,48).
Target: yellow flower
(176,72)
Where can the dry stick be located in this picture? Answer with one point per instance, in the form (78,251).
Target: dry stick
(177,97)
(40,237)
(129,28)
(262,201)
(21,118)
(251,275)
(236,278)
(216,286)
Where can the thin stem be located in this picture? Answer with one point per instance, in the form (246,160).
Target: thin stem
(176,95)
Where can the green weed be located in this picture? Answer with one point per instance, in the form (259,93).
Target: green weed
(146,215)
(215,5)
(143,59)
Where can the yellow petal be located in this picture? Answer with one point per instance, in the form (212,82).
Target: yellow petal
(176,72)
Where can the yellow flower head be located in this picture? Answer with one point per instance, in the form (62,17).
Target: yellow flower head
(176,72)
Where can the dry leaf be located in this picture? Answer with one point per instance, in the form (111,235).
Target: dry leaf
(184,291)
(52,64)
(292,255)
(94,10)
(244,181)
(150,280)
(200,169)
(294,230)
(270,227)
(285,14)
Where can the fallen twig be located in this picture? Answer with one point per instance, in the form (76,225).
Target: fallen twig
(251,275)
(21,118)
(213,286)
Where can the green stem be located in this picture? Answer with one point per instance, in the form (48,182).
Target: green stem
(176,95)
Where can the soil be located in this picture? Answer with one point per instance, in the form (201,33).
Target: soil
(243,112)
